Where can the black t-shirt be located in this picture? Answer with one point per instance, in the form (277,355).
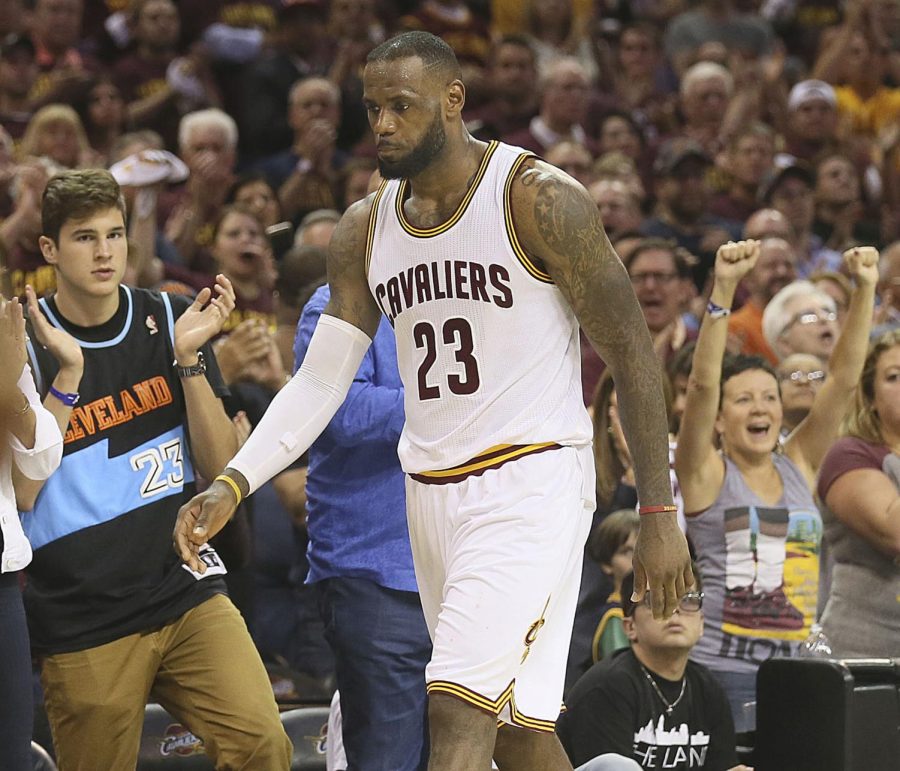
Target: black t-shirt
(613,708)
(101,528)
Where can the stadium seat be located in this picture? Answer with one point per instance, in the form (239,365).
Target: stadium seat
(166,745)
(307,728)
(40,759)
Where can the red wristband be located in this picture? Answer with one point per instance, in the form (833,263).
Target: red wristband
(656,509)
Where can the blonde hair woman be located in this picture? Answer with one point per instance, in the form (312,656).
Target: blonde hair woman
(860,487)
(56,132)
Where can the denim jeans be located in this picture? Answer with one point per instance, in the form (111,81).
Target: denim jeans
(16,695)
(381,646)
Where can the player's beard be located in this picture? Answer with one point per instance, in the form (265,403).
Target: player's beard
(420,157)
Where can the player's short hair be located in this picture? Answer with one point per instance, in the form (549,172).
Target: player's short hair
(76,195)
(436,55)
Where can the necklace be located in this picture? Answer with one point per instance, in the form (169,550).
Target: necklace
(669,707)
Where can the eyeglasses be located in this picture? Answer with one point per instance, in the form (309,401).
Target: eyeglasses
(799,376)
(658,278)
(807,317)
(691,602)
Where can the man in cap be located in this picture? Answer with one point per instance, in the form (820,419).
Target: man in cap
(812,120)
(18,72)
(683,195)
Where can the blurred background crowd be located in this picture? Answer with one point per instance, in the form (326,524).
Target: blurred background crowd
(238,133)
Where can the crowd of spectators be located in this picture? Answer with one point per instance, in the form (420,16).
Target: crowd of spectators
(238,132)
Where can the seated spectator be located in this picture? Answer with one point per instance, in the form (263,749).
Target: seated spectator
(747,159)
(463,28)
(102,111)
(715,21)
(56,34)
(840,220)
(773,271)
(789,188)
(55,132)
(619,132)
(800,376)
(859,485)
(158,87)
(242,253)
(748,496)
(611,546)
(555,32)
(355,180)
(573,158)
(207,142)
(638,86)
(704,96)
(619,167)
(888,314)
(298,48)
(563,107)
(619,209)
(856,57)
(800,319)
(683,194)
(649,702)
(20,231)
(306,175)
(812,121)
(511,103)
(18,73)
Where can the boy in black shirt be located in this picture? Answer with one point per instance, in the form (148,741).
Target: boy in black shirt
(649,703)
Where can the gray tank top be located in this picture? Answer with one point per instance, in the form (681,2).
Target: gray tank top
(760,570)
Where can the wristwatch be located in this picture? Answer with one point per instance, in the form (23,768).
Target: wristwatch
(195,369)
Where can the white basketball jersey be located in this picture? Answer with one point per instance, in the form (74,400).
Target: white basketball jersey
(487,347)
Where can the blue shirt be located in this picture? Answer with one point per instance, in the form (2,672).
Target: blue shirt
(356,490)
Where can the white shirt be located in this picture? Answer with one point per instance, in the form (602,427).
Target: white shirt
(36,463)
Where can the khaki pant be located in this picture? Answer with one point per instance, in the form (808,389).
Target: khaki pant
(203,668)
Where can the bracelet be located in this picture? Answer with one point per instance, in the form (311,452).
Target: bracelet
(232,484)
(656,509)
(717,311)
(25,408)
(70,400)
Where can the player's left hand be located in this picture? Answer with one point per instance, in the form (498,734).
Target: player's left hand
(662,563)
(204,319)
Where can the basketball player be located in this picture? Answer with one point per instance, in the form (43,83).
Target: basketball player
(484,259)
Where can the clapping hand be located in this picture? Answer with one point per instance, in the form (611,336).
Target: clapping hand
(203,320)
(12,349)
(61,345)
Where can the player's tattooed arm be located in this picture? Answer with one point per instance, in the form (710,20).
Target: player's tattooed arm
(559,225)
(351,299)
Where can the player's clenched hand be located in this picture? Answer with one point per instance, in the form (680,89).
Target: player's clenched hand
(662,563)
(200,519)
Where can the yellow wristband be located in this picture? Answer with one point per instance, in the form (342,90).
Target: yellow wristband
(232,484)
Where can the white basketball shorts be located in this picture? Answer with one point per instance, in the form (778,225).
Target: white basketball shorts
(497,545)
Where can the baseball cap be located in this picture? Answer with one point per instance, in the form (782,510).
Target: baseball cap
(675,151)
(810,90)
(14,42)
(785,166)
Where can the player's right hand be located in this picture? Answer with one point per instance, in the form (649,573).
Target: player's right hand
(199,520)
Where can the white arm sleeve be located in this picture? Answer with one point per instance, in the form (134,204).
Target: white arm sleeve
(304,407)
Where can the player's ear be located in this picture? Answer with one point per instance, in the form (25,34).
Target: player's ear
(455,97)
